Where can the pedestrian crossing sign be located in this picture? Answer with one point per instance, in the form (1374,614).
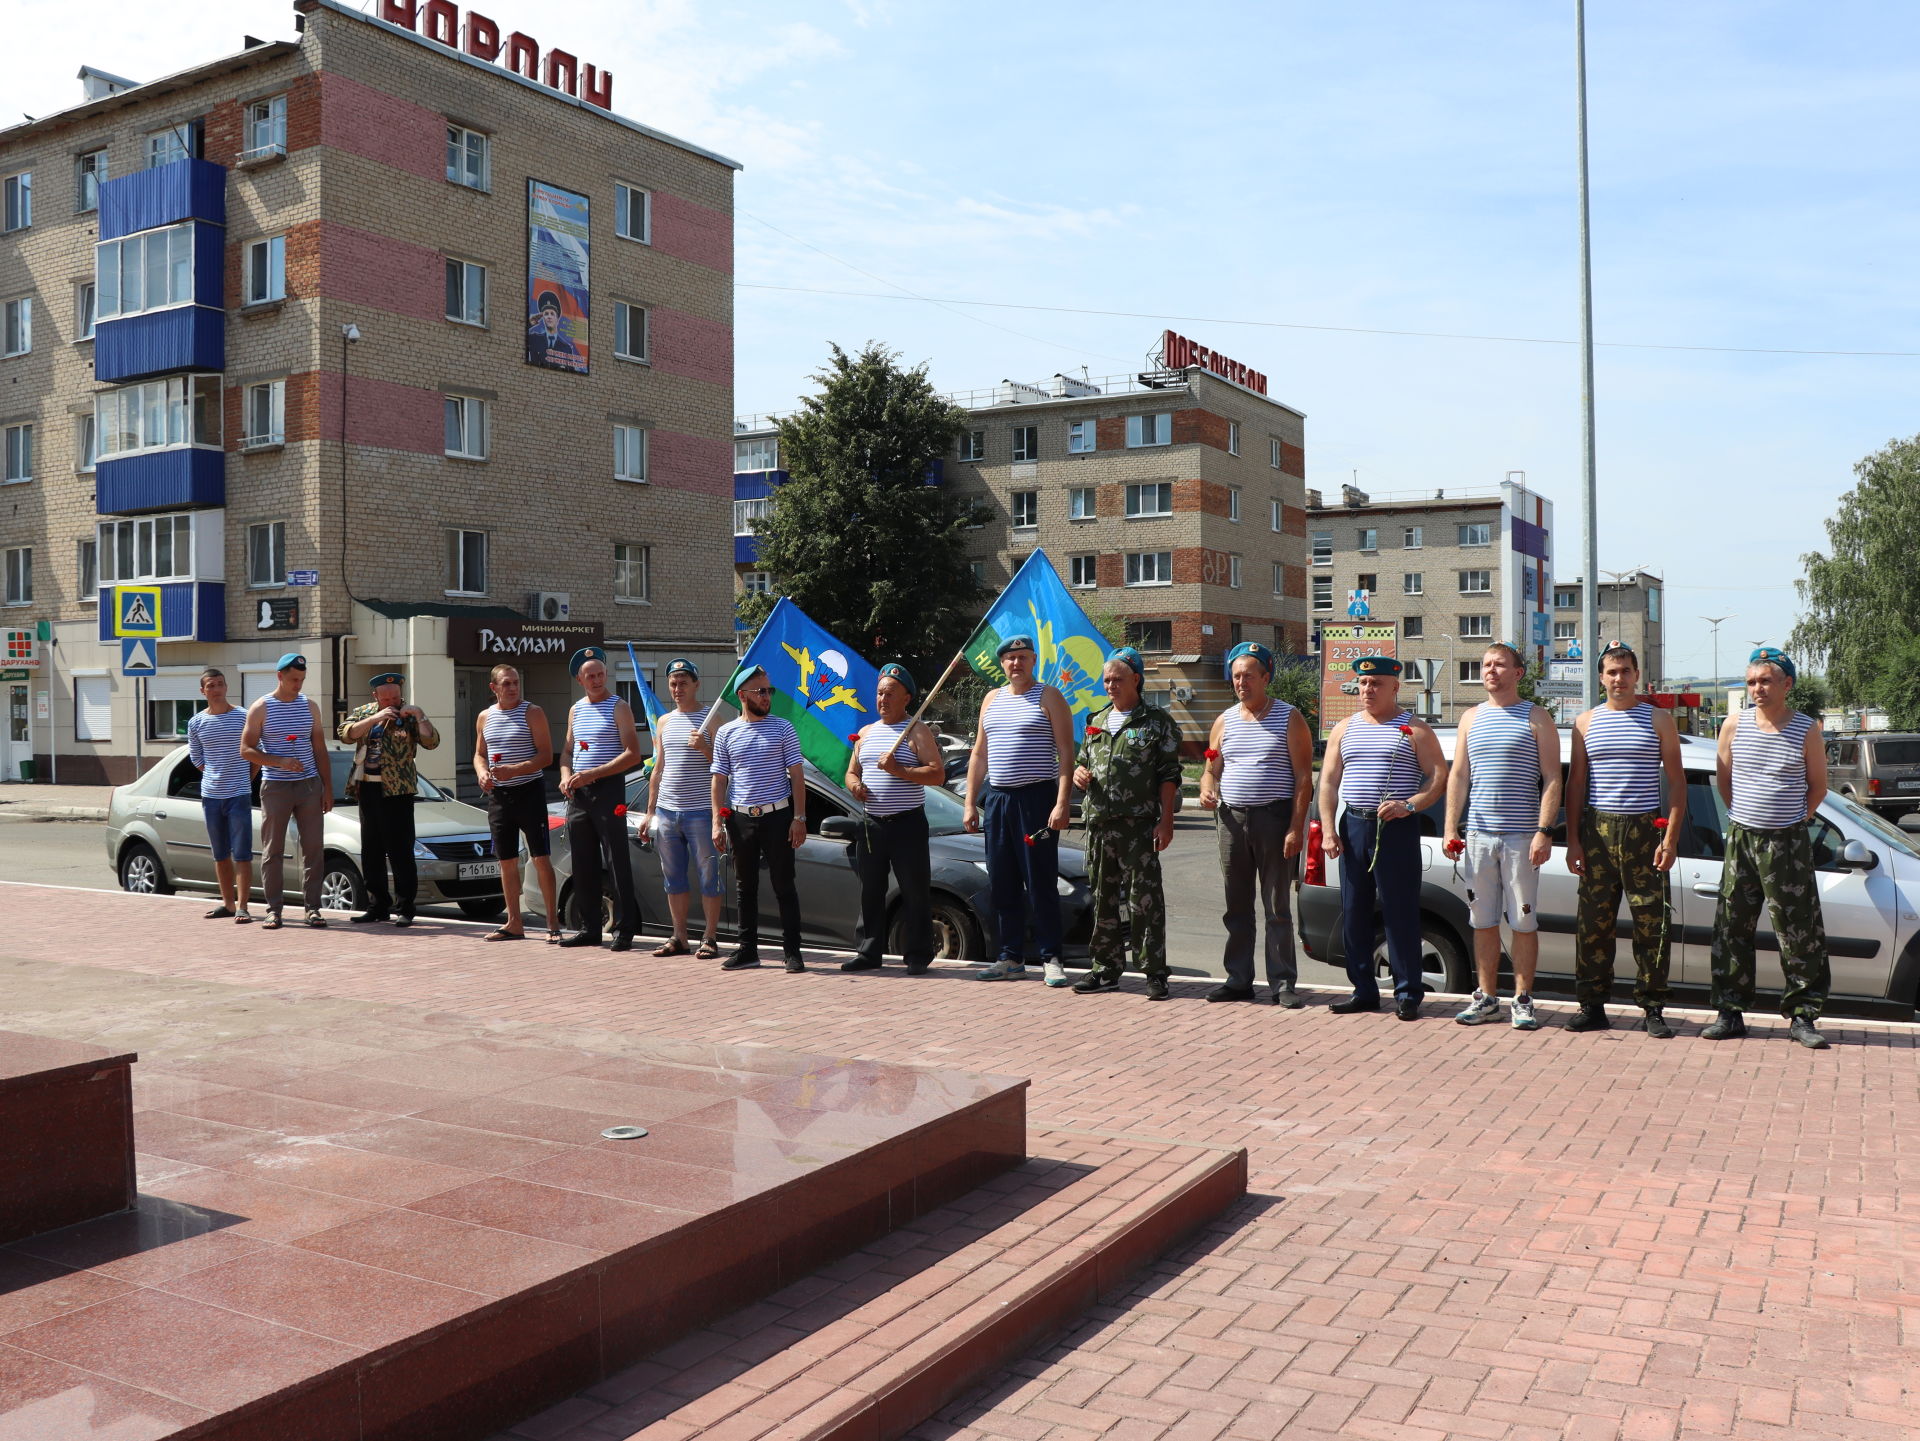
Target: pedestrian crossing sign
(136,611)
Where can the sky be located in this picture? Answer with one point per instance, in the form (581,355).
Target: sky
(1286,182)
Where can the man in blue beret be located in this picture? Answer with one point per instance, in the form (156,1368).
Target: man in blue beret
(602,746)
(1772,775)
(283,736)
(384,781)
(895,758)
(679,816)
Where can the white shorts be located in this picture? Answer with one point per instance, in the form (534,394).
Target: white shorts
(1496,867)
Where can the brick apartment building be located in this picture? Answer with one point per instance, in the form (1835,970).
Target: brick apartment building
(1173,500)
(1629,609)
(391,344)
(1453,569)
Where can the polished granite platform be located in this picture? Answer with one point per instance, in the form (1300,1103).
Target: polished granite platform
(386,1226)
(66,1133)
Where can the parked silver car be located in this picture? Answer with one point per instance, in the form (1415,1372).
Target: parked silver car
(1868,876)
(1878,769)
(157,842)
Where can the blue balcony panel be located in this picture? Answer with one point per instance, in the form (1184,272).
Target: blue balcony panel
(746,549)
(143,199)
(189,610)
(187,337)
(180,479)
(757,484)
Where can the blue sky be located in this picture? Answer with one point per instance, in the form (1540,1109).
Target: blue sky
(1381,166)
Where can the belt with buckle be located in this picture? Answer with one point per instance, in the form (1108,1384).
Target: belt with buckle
(766,810)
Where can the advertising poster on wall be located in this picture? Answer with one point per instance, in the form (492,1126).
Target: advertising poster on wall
(1340,646)
(557,295)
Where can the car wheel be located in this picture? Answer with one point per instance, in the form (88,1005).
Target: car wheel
(484,908)
(1443,964)
(956,935)
(141,871)
(570,908)
(340,886)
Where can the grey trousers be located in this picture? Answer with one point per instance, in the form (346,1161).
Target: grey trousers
(299,801)
(1253,848)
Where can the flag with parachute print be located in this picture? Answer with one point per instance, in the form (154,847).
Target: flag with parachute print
(822,685)
(1072,652)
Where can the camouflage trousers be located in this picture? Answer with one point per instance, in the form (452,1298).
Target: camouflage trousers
(1122,865)
(1774,867)
(1619,851)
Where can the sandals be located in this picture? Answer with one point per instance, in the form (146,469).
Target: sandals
(243,918)
(673,947)
(316,921)
(503,934)
(553,935)
(273,922)
(218,913)
(708,951)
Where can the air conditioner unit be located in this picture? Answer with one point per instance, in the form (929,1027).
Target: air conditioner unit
(550,605)
(1183,693)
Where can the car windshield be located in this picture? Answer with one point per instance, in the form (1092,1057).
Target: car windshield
(1882,829)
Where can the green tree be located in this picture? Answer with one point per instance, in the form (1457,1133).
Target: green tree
(1812,694)
(1863,599)
(857,537)
(1297,682)
(1899,683)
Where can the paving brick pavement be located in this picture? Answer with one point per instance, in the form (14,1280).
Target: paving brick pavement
(1454,1233)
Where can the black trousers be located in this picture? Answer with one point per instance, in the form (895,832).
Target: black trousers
(1253,849)
(897,845)
(763,839)
(386,840)
(597,837)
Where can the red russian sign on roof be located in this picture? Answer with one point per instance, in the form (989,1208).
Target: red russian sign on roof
(439,21)
(1177,353)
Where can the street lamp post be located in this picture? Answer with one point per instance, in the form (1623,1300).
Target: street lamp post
(1590,613)
(1447,705)
(1714,621)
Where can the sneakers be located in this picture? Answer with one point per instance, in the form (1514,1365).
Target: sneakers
(1656,1026)
(1003,970)
(1728,1026)
(1286,997)
(1157,989)
(1803,1031)
(1053,972)
(1524,1018)
(1093,981)
(796,963)
(1590,1018)
(1481,1009)
(743,959)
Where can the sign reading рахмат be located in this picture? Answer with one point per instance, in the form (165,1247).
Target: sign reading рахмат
(475,641)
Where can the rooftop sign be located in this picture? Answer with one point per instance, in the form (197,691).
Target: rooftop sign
(1178,353)
(439,21)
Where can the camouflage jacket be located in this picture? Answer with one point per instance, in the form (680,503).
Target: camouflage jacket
(1129,765)
(398,776)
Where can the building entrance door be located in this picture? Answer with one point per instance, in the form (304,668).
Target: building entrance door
(18,746)
(470,697)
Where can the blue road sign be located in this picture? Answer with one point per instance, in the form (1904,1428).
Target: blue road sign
(303,577)
(137,656)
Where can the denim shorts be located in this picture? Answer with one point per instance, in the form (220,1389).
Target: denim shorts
(683,839)
(230,827)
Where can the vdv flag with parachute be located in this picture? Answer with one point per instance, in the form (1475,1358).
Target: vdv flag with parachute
(649,702)
(1072,650)
(824,687)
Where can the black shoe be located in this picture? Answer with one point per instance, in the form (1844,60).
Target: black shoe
(1157,989)
(1590,1018)
(371,918)
(1656,1026)
(740,960)
(403,919)
(918,968)
(1093,981)
(581,938)
(860,963)
(1286,997)
(1225,992)
(1407,1010)
(1803,1031)
(1728,1026)
(622,941)
(794,963)
(1351,1005)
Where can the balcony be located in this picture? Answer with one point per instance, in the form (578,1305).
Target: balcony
(156,342)
(184,478)
(144,199)
(189,609)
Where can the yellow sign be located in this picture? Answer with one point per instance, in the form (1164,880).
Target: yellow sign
(136,611)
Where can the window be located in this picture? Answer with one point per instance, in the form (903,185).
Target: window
(1150,567)
(630,580)
(267,553)
(1481,534)
(757,582)
(1233,437)
(1149,430)
(760,453)
(1233,502)
(973,445)
(159,415)
(1469,670)
(467,158)
(979,570)
(1653,606)
(1233,572)
(166,146)
(1273,454)
(148,271)
(266,128)
(1322,543)
(87,567)
(19,454)
(1276,515)
(1413,583)
(1152,499)
(629,330)
(1080,437)
(1564,599)
(746,512)
(1082,503)
(84,449)
(1476,627)
(466,427)
(1323,592)
(1279,578)
(167,719)
(266,270)
(16,317)
(88,171)
(1150,634)
(1476,582)
(1566,629)
(1414,537)
(154,547)
(1369,538)
(1413,628)
(466,292)
(1026,509)
(19,200)
(83,308)
(633,213)
(1367,580)
(629,452)
(1026,442)
(266,415)
(466,562)
(20,575)
(1410,670)
(1083,571)
(92,708)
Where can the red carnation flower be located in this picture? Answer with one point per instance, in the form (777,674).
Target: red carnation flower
(1092,731)
(1212,754)
(853,738)
(619,810)
(583,745)
(725,813)
(1406,730)
(293,740)
(1659,823)
(1028,839)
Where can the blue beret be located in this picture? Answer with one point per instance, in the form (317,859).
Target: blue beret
(386,677)
(292,660)
(1254,649)
(1015,642)
(900,673)
(582,656)
(680,665)
(1127,656)
(1376,665)
(1773,655)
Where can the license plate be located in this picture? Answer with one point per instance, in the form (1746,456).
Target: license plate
(479,870)
(1910,785)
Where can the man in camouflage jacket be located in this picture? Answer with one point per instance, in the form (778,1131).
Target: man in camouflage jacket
(1129,769)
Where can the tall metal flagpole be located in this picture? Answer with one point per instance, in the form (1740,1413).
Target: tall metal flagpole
(1590,603)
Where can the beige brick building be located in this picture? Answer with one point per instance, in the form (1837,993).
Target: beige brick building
(1630,609)
(312,341)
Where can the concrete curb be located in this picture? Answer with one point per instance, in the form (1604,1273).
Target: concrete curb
(27,811)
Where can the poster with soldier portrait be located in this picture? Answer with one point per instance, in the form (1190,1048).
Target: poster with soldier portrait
(557,297)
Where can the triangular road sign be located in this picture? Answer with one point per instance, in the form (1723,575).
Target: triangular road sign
(138,657)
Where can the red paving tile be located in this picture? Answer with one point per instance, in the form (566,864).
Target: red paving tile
(1481,1218)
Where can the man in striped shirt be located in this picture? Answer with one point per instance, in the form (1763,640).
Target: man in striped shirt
(894,760)
(1505,786)
(226,783)
(760,813)
(602,746)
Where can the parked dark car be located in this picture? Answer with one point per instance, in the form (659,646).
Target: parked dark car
(1876,769)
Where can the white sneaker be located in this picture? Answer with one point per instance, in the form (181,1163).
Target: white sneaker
(1481,1009)
(1523,1017)
(1003,971)
(1056,974)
